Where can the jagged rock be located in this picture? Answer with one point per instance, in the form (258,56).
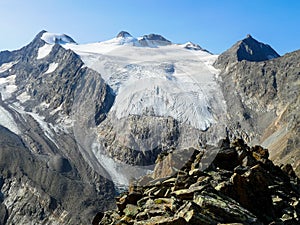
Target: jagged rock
(191,213)
(222,194)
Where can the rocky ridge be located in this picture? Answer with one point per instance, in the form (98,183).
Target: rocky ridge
(241,186)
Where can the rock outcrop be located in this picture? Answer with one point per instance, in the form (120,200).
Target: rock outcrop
(241,186)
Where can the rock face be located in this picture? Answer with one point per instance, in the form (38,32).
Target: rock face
(248,189)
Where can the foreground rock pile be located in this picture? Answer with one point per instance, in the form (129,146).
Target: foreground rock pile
(240,186)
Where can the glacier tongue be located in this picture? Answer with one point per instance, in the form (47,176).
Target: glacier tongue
(164,81)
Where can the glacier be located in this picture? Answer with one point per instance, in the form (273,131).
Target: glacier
(165,80)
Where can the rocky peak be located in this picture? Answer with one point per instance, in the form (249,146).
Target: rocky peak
(155,37)
(124,34)
(252,50)
(240,186)
(248,49)
(192,46)
(153,40)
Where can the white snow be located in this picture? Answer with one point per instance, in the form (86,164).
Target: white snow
(7,86)
(52,67)
(44,51)
(6,66)
(44,126)
(114,169)
(7,121)
(166,80)
(23,97)
(119,172)
(53,38)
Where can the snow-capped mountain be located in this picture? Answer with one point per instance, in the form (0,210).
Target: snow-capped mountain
(88,114)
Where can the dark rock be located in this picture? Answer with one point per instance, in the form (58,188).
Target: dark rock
(289,170)
(247,49)
(250,195)
(154,40)
(123,34)
(3,214)
(98,218)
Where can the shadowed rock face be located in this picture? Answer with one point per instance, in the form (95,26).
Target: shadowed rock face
(247,49)
(252,190)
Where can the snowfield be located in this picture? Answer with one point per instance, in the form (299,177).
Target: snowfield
(7,121)
(7,86)
(6,66)
(52,67)
(44,51)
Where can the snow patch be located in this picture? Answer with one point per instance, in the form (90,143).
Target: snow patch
(44,126)
(6,66)
(23,97)
(44,51)
(7,121)
(7,86)
(114,169)
(52,67)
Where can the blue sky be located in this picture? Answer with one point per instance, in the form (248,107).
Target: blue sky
(213,24)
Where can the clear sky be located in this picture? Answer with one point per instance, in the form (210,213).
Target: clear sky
(213,24)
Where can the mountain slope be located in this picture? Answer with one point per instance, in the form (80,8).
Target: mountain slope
(266,96)
(49,159)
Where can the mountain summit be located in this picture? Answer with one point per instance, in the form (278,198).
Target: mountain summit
(252,50)
(55,38)
(152,40)
(123,34)
(247,49)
